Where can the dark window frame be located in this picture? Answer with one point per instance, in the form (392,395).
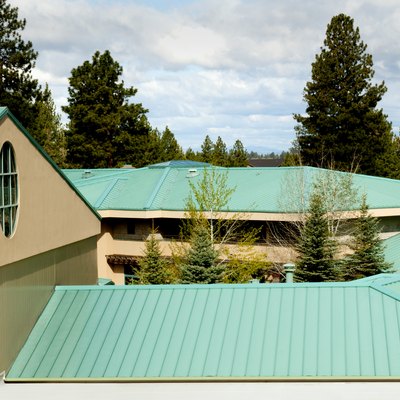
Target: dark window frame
(9,192)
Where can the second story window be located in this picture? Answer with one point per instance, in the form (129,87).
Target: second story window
(8,190)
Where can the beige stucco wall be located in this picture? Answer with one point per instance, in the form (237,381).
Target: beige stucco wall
(107,245)
(54,242)
(51,214)
(110,243)
(26,286)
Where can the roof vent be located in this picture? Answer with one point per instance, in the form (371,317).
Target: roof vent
(87,173)
(192,172)
(289,271)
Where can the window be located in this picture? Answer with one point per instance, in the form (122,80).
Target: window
(130,227)
(8,190)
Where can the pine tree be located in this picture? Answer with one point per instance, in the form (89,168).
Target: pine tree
(342,126)
(238,155)
(170,149)
(150,150)
(191,155)
(105,128)
(153,267)
(315,247)
(18,90)
(368,255)
(207,149)
(220,153)
(49,130)
(200,266)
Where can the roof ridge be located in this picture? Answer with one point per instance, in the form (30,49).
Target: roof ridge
(102,178)
(164,190)
(385,290)
(355,283)
(106,192)
(154,193)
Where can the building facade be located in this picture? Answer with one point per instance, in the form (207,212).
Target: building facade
(133,202)
(48,234)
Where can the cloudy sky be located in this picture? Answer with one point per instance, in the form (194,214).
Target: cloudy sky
(229,68)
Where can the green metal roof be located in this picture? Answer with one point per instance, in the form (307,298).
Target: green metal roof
(104,281)
(338,331)
(166,187)
(392,251)
(180,163)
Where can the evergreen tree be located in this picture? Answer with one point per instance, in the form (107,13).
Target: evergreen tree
(151,152)
(315,246)
(153,266)
(49,130)
(105,129)
(191,155)
(368,255)
(387,163)
(207,149)
(200,266)
(220,153)
(342,126)
(18,90)
(170,149)
(237,155)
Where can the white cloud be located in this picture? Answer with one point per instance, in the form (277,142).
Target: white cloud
(192,45)
(231,68)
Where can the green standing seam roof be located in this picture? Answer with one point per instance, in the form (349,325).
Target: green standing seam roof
(166,187)
(392,251)
(326,331)
(180,163)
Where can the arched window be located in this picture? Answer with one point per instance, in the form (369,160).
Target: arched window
(8,190)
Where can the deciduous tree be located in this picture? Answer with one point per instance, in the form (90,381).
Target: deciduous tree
(207,213)
(244,262)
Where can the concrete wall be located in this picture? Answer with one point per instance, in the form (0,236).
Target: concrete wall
(26,286)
